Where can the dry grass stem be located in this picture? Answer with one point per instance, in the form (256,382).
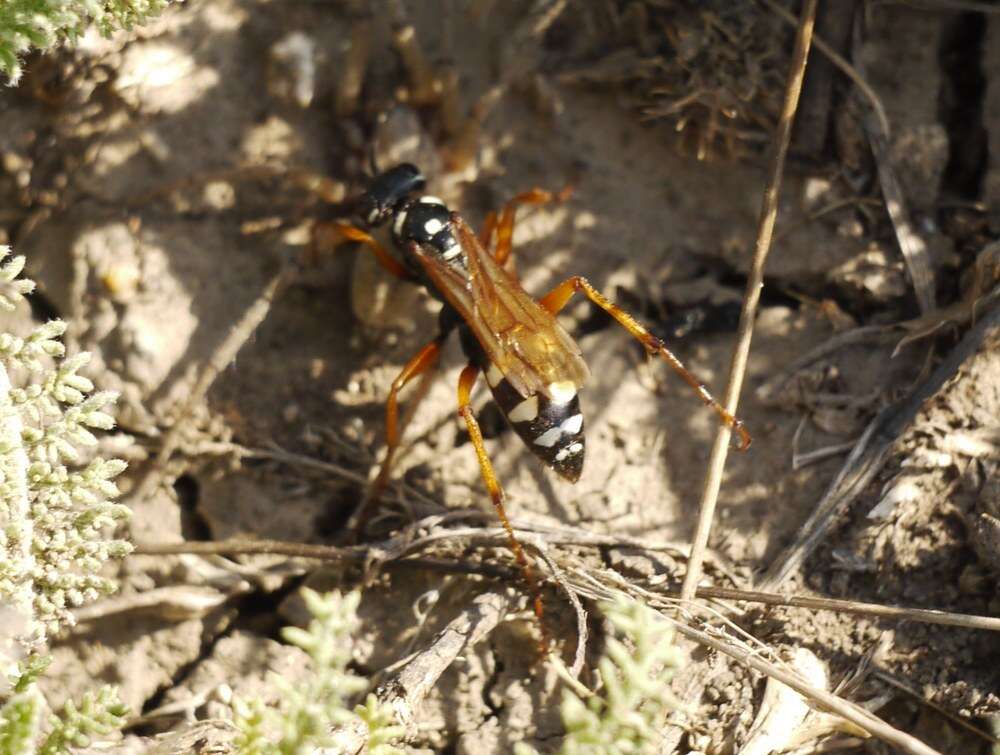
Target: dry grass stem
(873,450)
(582,633)
(896,683)
(409,686)
(924,615)
(822,698)
(840,62)
(945,6)
(914,249)
(408,554)
(223,355)
(773,386)
(751,299)
(750,652)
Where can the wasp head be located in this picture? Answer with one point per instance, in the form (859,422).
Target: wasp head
(387,191)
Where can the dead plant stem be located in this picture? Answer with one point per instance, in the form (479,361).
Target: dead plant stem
(842,63)
(831,702)
(223,355)
(409,556)
(765,233)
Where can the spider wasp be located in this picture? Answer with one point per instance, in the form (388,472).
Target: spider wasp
(532,366)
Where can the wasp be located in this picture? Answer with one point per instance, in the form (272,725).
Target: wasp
(534,368)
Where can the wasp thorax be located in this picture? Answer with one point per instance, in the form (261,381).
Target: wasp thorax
(427,222)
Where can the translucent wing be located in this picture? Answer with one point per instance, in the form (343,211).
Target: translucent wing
(522,339)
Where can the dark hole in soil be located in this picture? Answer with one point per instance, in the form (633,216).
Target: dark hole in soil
(188,493)
(961,104)
(338,510)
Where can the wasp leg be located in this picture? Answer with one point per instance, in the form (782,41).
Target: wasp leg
(466,381)
(419,364)
(503,224)
(558,297)
(329,235)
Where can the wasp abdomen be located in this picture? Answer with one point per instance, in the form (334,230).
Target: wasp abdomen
(550,425)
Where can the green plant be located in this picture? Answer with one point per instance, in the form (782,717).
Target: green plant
(54,513)
(625,719)
(310,710)
(41,24)
(54,510)
(100,712)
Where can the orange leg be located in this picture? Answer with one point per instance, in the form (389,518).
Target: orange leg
(465,384)
(503,225)
(559,296)
(486,232)
(329,235)
(420,363)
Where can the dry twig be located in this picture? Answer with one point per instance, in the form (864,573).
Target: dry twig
(224,353)
(749,653)
(410,685)
(755,282)
(389,553)
(835,704)
(872,451)
(840,62)
(893,681)
(914,249)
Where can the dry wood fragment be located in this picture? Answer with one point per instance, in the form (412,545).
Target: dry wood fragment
(872,451)
(403,693)
(224,353)
(751,298)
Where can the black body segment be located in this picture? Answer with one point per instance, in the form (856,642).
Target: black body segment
(550,424)
(552,429)
(426,221)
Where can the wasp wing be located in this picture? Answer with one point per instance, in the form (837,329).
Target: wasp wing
(519,336)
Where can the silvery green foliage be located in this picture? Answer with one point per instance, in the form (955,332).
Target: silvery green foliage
(31,24)
(21,715)
(54,510)
(98,714)
(12,288)
(20,722)
(625,718)
(53,514)
(311,708)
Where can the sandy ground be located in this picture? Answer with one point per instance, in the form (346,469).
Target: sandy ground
(155,183)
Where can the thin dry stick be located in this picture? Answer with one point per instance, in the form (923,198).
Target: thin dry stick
(831,702)
(774,385)
(581,615)
(902,686)
(916,256)
(945,6)
(840,62)
(279,454)
(410,685)
(220,359)
(872,452)
(748,652)
(923,615)
(765,231)
(389,552)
